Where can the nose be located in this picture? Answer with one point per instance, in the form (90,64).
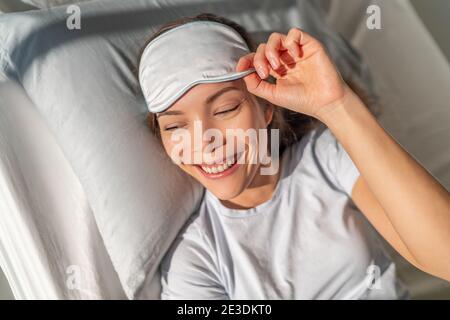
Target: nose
(207,142)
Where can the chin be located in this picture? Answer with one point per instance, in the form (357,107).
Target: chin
(230,187)
(225,188)
(223,192)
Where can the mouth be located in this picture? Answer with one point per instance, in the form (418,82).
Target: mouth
(218,171)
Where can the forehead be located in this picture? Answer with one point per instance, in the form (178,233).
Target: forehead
(201,92)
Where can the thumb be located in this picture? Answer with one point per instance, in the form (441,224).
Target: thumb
(253,81)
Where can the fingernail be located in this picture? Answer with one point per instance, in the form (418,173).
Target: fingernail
(261,72)
(294,52)
(273,62)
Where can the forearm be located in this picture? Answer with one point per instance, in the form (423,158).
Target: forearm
(416,204)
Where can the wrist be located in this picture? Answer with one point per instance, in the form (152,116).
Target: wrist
(334,112)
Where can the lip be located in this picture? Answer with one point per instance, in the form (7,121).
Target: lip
(222,174)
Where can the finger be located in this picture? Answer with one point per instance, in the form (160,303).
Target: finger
(253,81)
(260,61)
(292,42)
(273,48)
(245,62)
(305,38)
(260,87)
(299,42)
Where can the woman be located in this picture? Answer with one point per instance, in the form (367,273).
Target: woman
(307,229)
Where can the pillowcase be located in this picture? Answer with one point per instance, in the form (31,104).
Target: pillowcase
(82,84)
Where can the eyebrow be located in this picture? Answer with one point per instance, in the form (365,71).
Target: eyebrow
(213,97)
(168,113)
(209,100)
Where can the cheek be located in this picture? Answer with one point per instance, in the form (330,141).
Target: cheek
(170,146)
(249,121)
(178,146)
(171,149)
(250,117)
(247,135)
(167,144)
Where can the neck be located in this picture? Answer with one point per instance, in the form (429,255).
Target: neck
(260,190)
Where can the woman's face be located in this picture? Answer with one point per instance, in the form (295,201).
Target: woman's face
(214,119)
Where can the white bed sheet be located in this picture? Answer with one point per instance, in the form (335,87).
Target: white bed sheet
(49,232)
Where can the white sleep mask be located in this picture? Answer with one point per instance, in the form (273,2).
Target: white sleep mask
(193,53)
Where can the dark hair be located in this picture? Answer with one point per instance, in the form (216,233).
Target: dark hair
(292,125)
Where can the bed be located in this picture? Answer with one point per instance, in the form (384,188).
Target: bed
(43,207)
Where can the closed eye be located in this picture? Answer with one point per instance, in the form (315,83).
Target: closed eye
(229,110)
(173,127)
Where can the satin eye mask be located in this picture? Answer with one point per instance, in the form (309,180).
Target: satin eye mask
(193,53)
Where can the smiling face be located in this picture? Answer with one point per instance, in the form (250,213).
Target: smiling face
(224,109)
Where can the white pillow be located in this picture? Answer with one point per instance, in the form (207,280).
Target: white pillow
(82,84)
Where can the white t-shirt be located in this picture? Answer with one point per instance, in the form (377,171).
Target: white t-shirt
(309,241)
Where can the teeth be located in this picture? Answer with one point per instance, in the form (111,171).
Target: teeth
(218,168)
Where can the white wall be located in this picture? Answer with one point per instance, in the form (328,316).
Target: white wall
(435,14)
